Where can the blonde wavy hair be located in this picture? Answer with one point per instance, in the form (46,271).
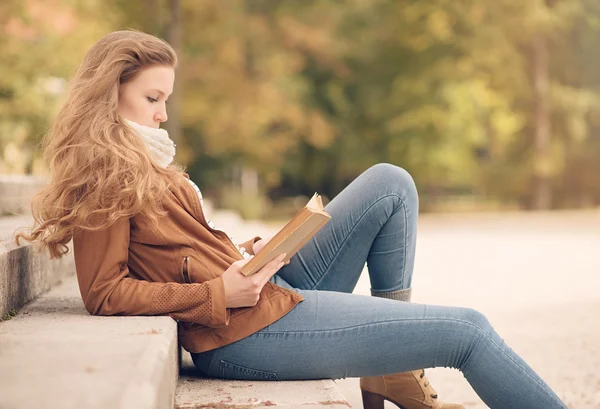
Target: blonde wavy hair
(101,170)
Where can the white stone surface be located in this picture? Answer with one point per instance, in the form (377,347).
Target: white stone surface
(24,272)
(53,354)
(194,391)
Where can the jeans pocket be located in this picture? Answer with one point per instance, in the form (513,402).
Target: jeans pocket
(228,370)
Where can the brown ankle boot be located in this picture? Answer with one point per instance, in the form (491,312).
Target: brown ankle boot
(407,390)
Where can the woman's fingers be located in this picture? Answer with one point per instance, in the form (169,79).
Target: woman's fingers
(271,268)
(242,291)
(240,263)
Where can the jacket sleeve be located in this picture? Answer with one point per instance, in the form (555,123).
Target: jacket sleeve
(247,245)
(107,289)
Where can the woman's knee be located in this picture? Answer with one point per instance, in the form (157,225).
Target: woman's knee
(466,325)
(396,178)
(477,319)
(465,331)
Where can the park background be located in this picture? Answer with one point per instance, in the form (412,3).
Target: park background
(492,106)
(488,104)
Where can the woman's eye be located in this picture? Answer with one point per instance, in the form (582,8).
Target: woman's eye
(152,99)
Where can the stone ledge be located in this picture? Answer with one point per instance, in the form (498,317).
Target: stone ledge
(195,391)
(77,360)
(53,354)
(25,274)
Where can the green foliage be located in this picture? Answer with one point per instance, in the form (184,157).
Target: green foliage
(41,43)
(311,93)
(250,206)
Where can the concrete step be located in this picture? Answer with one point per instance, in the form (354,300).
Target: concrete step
(25,273)
(195,391)
(72,359)
(53,354)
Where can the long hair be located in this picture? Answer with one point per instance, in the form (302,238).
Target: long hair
(101,170)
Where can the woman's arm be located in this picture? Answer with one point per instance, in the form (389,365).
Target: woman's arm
(106,288)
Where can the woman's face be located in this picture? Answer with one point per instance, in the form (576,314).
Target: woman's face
(143,99)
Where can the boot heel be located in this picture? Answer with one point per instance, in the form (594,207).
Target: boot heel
(372,400)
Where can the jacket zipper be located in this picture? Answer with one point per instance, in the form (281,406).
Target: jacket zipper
(186,272)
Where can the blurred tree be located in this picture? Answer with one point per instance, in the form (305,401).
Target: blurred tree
(39,54)
(494,99)
(173,31)
(531,45)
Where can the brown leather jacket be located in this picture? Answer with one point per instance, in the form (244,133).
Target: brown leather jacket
(131,268)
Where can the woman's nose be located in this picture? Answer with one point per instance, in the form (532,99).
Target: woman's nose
(161,115)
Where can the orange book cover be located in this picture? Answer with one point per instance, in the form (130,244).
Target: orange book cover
(304,225)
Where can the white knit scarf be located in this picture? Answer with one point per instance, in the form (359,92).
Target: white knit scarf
(158,142)
(163,152)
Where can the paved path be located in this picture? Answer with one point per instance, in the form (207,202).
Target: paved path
(535,276)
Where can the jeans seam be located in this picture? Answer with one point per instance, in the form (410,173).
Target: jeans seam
(405,241)
(354,227)
(370,324)
(240,369)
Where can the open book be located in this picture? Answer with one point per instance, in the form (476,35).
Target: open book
(305,224)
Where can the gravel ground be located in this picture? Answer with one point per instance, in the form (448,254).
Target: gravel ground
(534,275)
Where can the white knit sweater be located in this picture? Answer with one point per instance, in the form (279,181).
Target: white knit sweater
(163,152)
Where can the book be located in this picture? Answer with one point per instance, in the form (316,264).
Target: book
(301,228)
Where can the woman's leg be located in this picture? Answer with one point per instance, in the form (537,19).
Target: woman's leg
(336,335)
(374,219)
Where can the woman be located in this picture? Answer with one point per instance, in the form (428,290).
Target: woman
(142,246)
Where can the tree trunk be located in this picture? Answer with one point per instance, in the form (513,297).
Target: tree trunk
(249,182)
(173,37)
(542,194)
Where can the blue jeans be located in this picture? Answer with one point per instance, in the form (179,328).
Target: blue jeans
(335,334)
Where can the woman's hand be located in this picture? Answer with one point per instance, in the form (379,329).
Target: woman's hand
(260,244)
(242,291)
